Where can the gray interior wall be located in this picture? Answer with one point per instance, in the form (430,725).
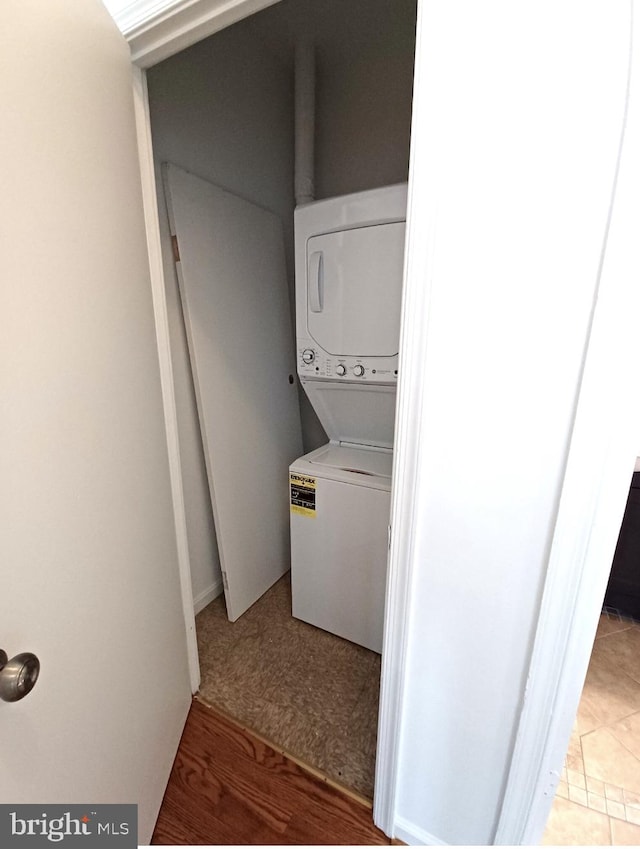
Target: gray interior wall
(364,103)
(223,109)
(364,53)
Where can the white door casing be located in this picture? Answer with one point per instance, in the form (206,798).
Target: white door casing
(88,550)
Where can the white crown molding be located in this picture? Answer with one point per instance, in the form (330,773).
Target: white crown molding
(138,12)
(157,29)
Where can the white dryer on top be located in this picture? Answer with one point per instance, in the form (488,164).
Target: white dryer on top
(349,255)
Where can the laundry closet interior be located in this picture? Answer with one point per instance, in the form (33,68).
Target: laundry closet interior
(223,122)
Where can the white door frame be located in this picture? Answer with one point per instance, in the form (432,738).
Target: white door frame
(154,247)
(593,493)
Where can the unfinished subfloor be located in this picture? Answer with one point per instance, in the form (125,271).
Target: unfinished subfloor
(598,799)
(311,694)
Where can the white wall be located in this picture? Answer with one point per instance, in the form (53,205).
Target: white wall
(516,139)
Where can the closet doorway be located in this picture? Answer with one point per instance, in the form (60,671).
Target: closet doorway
(223,110)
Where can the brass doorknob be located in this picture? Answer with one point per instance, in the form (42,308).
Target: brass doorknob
(18,676)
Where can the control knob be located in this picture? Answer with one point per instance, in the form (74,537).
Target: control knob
(358,370)
(308,356)
(341,370)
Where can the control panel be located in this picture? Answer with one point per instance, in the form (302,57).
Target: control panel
(314,362)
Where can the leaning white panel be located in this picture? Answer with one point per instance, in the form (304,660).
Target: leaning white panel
(233,286)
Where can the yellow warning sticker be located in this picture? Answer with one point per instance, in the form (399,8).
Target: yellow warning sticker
(303,495)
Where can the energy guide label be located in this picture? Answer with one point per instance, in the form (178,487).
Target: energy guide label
(303,495)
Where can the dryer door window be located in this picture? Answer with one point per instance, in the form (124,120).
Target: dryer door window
(354,283)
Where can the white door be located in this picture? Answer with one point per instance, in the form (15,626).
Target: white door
(354,284)
(234,292)
(88,551)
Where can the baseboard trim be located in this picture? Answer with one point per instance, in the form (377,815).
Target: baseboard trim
(413,835)
(207,596)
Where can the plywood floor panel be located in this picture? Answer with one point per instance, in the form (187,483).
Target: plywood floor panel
(312,694)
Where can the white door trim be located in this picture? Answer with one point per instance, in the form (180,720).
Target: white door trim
(154,248)
(409,410)
(601,456)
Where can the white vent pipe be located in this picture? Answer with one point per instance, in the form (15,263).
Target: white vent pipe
(305,107)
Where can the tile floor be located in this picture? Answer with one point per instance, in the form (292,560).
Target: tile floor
(311,694)
(598,798)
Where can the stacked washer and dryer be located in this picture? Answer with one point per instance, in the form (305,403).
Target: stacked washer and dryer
(349,254)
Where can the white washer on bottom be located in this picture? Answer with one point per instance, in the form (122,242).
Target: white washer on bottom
(340,502)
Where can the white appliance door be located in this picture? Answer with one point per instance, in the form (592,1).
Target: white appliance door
(234,291)
(354,285)
(88,551)
(363,413)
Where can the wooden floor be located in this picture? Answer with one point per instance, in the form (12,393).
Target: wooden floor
(229,787)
